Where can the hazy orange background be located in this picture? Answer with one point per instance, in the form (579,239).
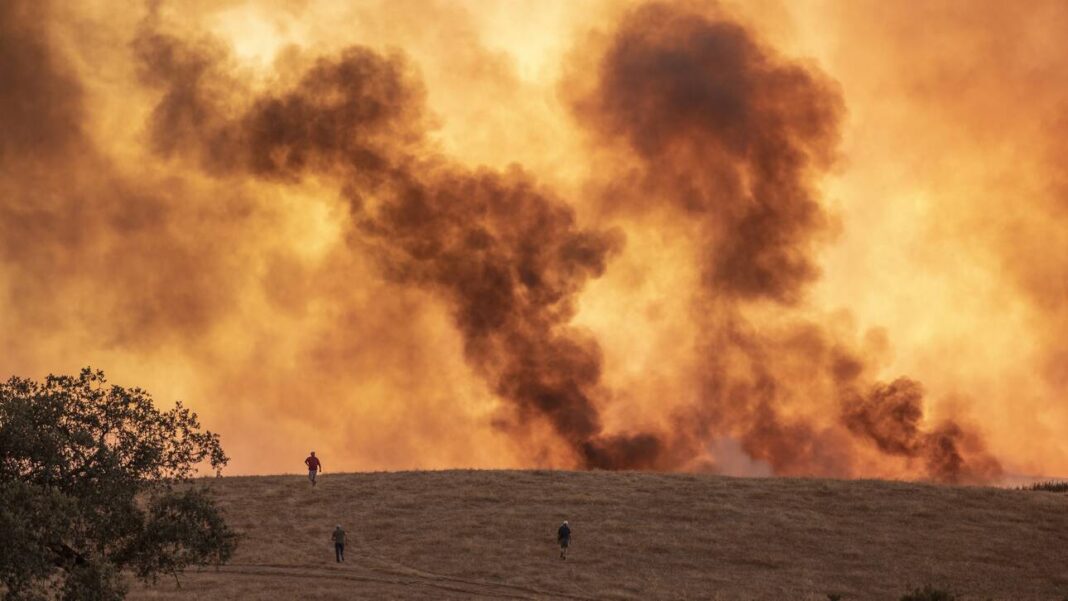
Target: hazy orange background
(947,258)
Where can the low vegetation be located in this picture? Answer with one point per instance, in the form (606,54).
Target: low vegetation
(95,483)
(1050,486)
(929,593)
(491,534)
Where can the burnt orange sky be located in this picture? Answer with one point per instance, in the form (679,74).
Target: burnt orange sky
(802,238)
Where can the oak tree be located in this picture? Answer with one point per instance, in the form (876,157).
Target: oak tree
(96,481)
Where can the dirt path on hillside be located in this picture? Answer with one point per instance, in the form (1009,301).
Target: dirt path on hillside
(375,569)
(368,577)
(400,578)
(414,571)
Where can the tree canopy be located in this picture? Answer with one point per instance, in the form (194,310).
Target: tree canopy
(94,481)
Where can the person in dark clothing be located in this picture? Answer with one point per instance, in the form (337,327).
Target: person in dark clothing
(314,467)
(339,543)
(563,536)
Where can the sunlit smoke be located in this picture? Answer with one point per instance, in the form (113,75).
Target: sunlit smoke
(640,248)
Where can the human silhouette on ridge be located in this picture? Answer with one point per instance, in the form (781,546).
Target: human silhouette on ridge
(314,467)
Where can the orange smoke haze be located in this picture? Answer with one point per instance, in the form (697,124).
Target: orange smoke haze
(767,238)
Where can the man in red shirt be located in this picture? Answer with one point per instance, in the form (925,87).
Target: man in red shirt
(314,467)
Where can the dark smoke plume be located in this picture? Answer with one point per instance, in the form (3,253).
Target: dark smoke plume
(362,113)
(40,101)
(507,255)
(729,133)
(890,415)
(511,259)
(703,122)
(733,136)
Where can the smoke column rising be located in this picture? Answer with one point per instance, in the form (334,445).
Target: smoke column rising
(733,136)
(507,257)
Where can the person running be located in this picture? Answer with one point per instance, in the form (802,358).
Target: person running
(339,543)
(314,467)
(563,536)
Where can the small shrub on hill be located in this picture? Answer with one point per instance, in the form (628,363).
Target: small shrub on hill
(928,593)
(1051,486)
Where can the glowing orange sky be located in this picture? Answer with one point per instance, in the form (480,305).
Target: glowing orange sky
(944,257)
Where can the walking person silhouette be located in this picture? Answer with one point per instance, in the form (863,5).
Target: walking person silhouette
(563,536)
(314,467)
(339,543)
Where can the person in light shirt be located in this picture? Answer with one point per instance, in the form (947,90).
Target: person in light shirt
(339,543)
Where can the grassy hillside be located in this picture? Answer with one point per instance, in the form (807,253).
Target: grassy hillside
(491,534)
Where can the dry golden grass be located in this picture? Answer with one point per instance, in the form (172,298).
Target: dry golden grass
(491,534)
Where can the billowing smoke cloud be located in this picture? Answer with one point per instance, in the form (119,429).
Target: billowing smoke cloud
(729,133)
(511,260)
(72,228)
(201,280)
(362,112)
(302,245)
(40,106)
(733,136)
(890,416)
(507,255)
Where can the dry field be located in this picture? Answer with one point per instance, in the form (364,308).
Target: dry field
(491,534)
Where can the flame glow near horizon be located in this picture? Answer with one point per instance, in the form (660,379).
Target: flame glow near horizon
(804,238)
